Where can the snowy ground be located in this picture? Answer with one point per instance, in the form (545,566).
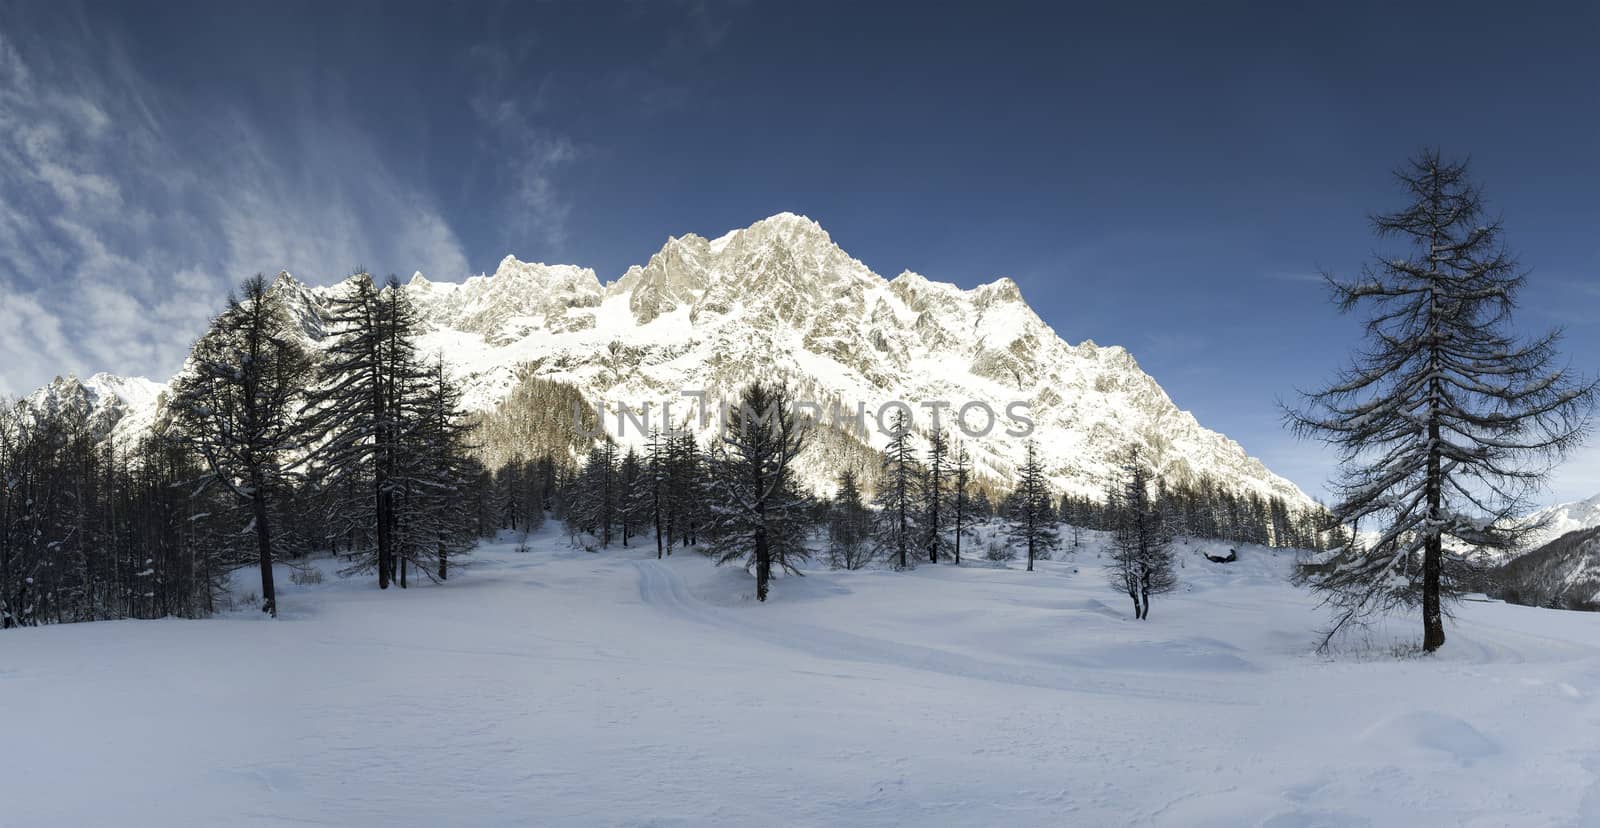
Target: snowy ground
(558,687)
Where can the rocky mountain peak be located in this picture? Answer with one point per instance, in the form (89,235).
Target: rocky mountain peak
(780,299)
(111,405)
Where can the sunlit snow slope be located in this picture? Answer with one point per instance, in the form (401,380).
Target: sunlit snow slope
(560,687)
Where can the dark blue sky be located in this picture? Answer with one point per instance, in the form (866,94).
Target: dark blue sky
(1164,178)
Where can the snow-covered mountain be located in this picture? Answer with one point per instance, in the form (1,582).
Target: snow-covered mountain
(122,407)
(779,299)
(1564,572)
(1562,565)
(1558,520)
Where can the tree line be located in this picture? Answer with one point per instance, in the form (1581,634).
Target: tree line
(267,447)
(740,499)
(271,446)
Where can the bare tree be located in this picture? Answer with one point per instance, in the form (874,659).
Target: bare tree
(1141,550)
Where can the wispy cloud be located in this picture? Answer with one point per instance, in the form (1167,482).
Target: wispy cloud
(519,97)
(125,215)
(529,155)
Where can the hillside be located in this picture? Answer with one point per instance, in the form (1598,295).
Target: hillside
(1554,521)
(1564,573)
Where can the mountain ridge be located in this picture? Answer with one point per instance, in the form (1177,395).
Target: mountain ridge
(779,299)
(1552,522)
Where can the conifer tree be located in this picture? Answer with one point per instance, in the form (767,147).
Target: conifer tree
(370,402)
(633,501)
(88,532)
(593,508)
(960,501)
(1141,562)
(1033,512)
(237,407)
(682,488)
(759,510)
(935,483)
(1448,422)
(656,469)
(441,476)
(1078,513)
(849,526)
(982,506)
(897,499)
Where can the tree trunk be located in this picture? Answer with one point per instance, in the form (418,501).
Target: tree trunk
(1433,552)
(269,595)
(958,536)
(444,563)
(905,529)
(763,566)
(384,571)
(655,509)
(1432,610)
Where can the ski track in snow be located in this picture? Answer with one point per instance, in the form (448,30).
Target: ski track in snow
(561,687)
(661,587)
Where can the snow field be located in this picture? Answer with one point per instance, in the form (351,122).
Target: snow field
(560,687)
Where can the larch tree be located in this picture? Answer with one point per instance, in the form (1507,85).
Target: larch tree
(441,526)
(849,526)
(1447,422)
(685,489)
(1141,562)
(1076,512)
(897,499)
(368,403)
(1032,514)
(935,492)
(633,498)
(597,493)
(759,510)
(237,407)
(960,498)
(89,532)
(655,470)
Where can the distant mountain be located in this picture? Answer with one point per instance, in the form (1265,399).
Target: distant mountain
(1563,573)
(1562,566)
(121,407)
(1558,520)
(780,300)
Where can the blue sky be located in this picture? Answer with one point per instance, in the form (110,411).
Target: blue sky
(1161,178)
